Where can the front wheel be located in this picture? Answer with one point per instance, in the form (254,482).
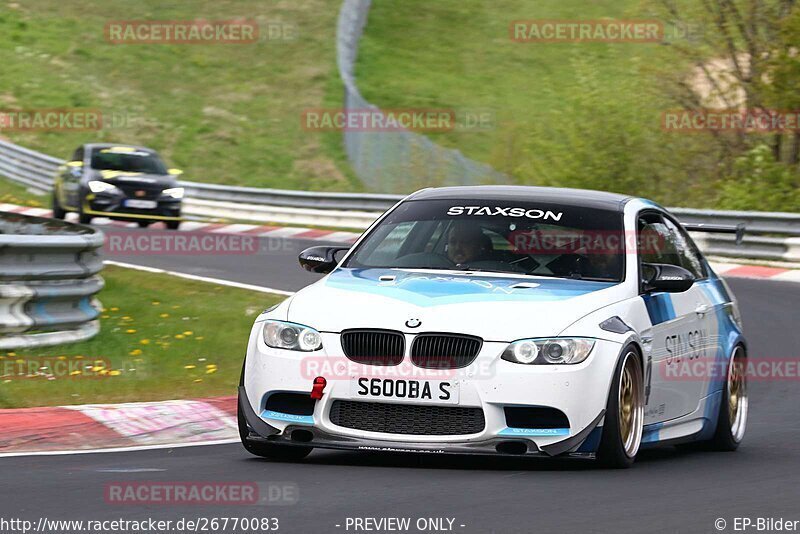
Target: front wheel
(58,211)
(173,225)
(84,218)
(624,419)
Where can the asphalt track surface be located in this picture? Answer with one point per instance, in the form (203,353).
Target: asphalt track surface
(668,490)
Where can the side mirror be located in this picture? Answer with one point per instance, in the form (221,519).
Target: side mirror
(175,172)
(320,259)
(665,277)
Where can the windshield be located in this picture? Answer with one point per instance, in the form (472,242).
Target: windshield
(127,160)
(527,238)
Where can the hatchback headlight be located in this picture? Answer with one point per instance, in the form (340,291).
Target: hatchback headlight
(96,186)
(291,336)
(174,192)
(556,350)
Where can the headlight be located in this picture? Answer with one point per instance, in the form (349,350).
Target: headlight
(96,186)
(549,351)
(174,192)
(291,336)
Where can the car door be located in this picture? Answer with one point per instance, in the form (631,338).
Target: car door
(679,334)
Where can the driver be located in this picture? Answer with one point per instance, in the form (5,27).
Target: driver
(466,242)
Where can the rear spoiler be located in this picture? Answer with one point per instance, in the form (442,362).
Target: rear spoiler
(718,229)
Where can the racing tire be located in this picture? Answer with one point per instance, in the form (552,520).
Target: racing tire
(624,419)
(83,218)
(173,225)
(732,419)
(143,224)
(58,211)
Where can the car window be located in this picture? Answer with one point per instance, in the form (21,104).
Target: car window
(689,255)
(77,155)
(663,241)
(656,242)
(524,237)
(127,160)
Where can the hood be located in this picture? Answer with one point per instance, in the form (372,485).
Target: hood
(496,308)
(134,178)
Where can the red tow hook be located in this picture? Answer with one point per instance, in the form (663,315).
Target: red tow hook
(318,388)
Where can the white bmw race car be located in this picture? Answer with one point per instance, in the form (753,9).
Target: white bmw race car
(502,320)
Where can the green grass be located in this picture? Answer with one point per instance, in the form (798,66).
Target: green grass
(14,193)
(224,113)
(567,114)
(161,338)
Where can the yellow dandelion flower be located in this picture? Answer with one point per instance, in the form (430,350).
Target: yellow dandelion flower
(135,352)
(130,331)
(211,366)
(145,341)
(97,368)
(164,315)
(179,336)
(105,316)
(200,338)
(155,303)
(196,380)
(114,373)
(189,366)
(188,333)
(75,373)
(115,309)
(209,371)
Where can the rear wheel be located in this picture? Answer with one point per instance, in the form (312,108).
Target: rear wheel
(732,420)
(173,225)
(143,224)
(624,419)
(58,211)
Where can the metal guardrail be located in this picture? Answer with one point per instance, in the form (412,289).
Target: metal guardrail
(48,279)
(770,236)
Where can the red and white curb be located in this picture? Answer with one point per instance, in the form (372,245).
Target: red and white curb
(283,232)
(137,425)
(735,270)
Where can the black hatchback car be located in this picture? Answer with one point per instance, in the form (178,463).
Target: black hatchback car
(123,182)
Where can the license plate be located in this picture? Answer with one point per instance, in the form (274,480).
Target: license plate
(413,391)
(141,204)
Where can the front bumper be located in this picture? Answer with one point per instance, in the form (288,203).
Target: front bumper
(579,391)
(113,207)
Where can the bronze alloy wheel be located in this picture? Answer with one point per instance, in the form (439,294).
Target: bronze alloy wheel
(737,395)
(631,405)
